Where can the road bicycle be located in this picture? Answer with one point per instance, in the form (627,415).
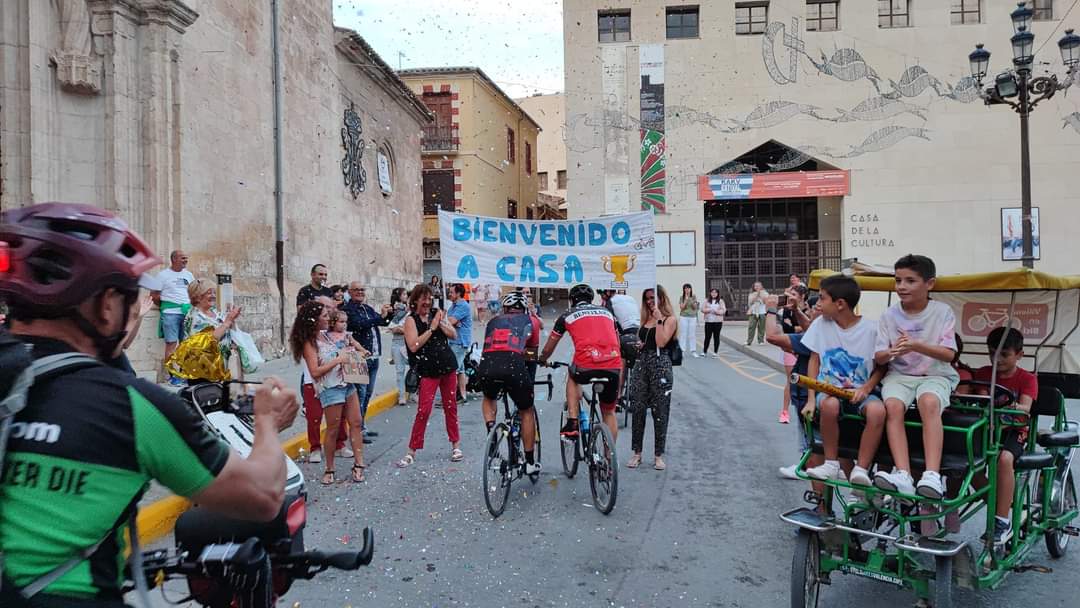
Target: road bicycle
(594,446)
(504,454)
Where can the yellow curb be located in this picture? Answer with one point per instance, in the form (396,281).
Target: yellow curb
(157,519)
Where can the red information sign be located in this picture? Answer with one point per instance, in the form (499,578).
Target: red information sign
(793,184)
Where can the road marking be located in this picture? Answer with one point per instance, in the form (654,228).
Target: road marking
(738,370)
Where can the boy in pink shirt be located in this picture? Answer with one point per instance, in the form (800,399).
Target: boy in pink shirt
(917,340)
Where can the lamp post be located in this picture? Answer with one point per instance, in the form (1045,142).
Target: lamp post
(1028,92)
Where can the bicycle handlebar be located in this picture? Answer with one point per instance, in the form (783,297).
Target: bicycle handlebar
(220,560)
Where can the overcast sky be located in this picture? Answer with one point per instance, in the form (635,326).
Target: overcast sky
(518,43)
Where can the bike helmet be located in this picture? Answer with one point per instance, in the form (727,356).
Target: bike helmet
(515,299)
(581,293)
(61,254)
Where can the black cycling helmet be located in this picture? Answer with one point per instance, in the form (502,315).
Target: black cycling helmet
(581,293)
(515,299)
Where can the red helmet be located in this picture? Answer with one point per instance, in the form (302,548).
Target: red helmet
(61,254)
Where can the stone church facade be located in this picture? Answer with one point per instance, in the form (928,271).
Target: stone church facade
(163,111)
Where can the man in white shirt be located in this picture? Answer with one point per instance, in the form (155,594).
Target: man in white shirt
(173,300)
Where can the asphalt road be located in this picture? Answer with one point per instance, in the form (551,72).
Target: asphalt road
(703,533)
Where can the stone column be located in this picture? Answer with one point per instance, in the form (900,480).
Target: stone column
(140,41)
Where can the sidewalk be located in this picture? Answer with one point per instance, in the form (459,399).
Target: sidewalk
(289,372)
(734,335)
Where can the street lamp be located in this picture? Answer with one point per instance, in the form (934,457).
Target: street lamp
(1029,91)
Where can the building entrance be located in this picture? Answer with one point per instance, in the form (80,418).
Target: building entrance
(749,239)
(765,240)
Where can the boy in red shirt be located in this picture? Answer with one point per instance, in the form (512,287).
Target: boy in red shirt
(1025,386)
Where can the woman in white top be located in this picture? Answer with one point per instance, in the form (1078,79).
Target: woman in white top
(714,310)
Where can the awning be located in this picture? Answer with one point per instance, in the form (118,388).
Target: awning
(1021,279)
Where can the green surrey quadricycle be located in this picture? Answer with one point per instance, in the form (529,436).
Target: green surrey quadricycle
(899,539)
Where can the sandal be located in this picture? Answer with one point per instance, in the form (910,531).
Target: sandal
(659,464)
(358,473)
(328,478)
(457,455)
(406,461)
(634,462)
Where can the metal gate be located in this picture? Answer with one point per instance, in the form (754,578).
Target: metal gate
(733,267)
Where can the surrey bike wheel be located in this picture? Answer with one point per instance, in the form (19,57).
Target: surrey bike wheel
(568,449)
(497,469)
(943,584)
(805,570)
(1062,500)
(603,469)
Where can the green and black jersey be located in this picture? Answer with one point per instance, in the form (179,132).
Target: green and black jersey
(85,446)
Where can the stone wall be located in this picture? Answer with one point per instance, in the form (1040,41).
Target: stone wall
(179,141)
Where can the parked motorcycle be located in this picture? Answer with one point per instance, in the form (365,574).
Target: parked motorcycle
(233,419)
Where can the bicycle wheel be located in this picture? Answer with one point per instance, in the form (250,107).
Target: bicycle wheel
(943,584)
(603,468)
(1063,498)
(536,445)
(497,469)
(568,449)
(805,575)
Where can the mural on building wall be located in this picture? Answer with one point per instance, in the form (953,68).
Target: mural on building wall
(1073,120)
(653,140)
(880,108)
(352,167)
(611,128)
(795,48)
(791,159)
(848,65)
(913,82)
(775,112)
(882,139)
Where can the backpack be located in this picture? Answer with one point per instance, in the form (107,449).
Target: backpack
(19,372)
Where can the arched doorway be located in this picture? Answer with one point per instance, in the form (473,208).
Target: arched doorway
(769,213)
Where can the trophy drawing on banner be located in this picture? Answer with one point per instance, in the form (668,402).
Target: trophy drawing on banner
(619,265)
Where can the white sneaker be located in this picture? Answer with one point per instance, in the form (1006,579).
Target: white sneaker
(345,452)
(825,472)
(860,476)
(716,355)
(532,469)
(316,456)
(789,472)
(931,486)
(897,481)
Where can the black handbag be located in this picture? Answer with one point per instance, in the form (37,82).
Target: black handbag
(412,381)
(674,352)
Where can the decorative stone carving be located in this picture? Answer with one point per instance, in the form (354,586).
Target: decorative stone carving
(351,166)
(77,68)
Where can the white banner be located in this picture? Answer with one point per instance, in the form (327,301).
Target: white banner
(611,252)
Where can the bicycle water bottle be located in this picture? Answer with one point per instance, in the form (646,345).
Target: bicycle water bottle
(583,416)
(515,428)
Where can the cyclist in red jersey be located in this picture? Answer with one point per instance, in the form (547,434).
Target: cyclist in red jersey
(508,340)
(596,355)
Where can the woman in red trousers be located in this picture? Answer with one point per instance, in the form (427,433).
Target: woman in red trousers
(426,336)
